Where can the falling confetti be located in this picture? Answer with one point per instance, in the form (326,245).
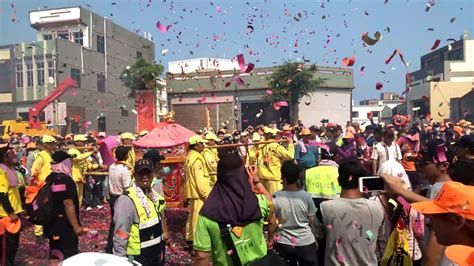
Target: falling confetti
(369,41)
(435,45)
(348,61)
(161,27)
(378,86)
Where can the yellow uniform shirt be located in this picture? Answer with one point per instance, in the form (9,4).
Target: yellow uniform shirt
(12,192)
(270,158)
(252,155)
(197,184)
(41,167)
(80,164)
(211,159)
(131,158)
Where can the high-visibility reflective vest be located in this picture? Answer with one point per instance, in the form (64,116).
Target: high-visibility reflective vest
(321,182)
(147,234)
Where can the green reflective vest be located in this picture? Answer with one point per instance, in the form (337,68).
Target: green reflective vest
(321,182)
(148,231)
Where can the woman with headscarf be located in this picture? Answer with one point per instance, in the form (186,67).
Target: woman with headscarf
(230,224)
(65,227)
(10,202)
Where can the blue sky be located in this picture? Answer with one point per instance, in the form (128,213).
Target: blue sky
(203,28)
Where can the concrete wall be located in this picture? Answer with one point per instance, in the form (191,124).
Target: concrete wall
(441,93)
(332,104)
(460,71)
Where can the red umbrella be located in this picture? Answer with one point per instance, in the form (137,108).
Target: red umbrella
(165,135)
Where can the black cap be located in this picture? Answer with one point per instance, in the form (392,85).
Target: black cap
(143,164)
(60,156)
(467,142)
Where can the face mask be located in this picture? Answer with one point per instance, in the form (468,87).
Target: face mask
(166,170)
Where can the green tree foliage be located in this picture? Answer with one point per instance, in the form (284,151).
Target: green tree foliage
(142,76)
(291,82)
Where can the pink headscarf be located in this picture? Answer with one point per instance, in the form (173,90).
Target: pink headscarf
(11,175)
(63,167)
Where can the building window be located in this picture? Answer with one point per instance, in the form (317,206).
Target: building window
(124,112)
(40,73)
(51,70)
(76,75)
(355,114)
(101,82)
(100,44)
(19,75)
(102,125)
(47,37)
(29,74)
(79,37)
(376,114)
(63,35)
(139,54)
(455,55)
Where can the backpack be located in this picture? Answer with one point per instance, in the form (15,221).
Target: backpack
(40,210)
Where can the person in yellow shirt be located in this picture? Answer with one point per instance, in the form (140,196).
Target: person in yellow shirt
(80,164)
(196,185)
(10,202)
(41,169)
(210,157)
(270,158)
(253,150)
(127,138)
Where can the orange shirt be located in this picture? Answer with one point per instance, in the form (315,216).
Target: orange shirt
(408,149)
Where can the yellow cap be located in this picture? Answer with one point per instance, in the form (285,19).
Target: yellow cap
(275,131)
(127,135)
(48,139)
(196,139)
(267,130)
(80,137)
(305,132)
(211,136)
(256,136)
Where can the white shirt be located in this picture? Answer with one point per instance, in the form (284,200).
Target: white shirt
(120,179)
(382,152)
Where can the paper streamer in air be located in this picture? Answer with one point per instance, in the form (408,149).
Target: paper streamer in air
(348,61)
(435,45)
(369,41)
(242,66)
(161,27)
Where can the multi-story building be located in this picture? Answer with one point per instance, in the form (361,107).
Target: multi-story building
(211,84)
(444,74)
(385,98)
(78,43)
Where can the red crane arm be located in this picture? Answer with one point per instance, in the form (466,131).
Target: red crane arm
(55,94)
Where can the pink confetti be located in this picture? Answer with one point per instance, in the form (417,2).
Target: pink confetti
(387,61)
(277,237)
(35,205)
(378,86)
(14,16)
(239,81)
(350,178)
(282,103)
(242,66)
(161,27)
(340,258)
(58,254)
(294,241)
(329,226)
(338,242)
(58,188)
(230,252)
(269,92)
(362,70)
(348,61)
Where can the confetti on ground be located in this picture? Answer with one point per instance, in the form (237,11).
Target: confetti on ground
(33,253)
(369,234)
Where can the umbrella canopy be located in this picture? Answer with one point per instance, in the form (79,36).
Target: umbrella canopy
(106,149)
(165,135)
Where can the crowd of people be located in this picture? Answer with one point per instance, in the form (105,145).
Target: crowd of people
(280,195)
